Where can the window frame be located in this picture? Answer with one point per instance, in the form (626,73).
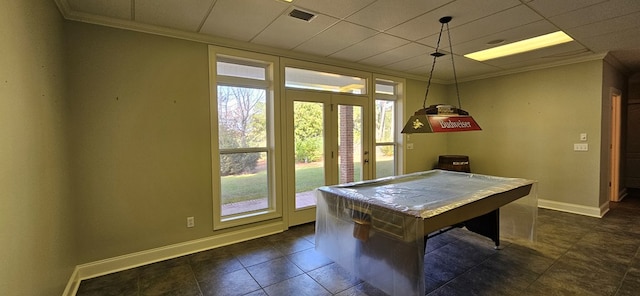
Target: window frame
(397,98)
(271,87)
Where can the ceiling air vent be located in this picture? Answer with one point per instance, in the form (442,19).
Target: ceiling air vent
(302,15)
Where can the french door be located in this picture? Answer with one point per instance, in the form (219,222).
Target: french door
(327,142)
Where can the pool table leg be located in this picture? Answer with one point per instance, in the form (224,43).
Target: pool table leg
(487,225)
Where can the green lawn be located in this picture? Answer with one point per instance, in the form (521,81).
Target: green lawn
(252,186)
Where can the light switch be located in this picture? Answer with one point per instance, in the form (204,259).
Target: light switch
(409,146)
(581,147)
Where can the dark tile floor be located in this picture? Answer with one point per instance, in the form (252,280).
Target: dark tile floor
(574,255)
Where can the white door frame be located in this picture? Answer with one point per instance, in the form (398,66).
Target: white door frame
(614,147)
(296,216)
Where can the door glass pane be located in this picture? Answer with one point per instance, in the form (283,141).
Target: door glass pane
(349,143)
(385,138)
(309,151)
(385,166)
(244,182)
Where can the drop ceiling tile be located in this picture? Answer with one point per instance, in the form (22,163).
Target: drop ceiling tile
(417,72)
(418,28)
(419,61)
(393,13)
(397,54)
(370,47)
(607,26)
(629,58)
(173,13)
(120,9)
(507,19)
(550,8)
(596,13)
(462,11)
(336,8)
(337,37)
(288,32)
(464,68)
(627,39)
(467,67)
(441,72)
(444,71)
(242,19)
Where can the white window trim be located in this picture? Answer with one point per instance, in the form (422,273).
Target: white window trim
(273,126)
(399,161)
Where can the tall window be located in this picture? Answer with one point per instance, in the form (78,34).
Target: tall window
(386,144)
(242,139)
(242,161)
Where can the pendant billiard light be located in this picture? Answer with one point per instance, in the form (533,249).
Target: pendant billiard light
(441,118)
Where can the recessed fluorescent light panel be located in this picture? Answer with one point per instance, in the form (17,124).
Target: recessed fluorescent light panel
(530,44)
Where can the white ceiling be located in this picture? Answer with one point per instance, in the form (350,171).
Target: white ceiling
(396,35)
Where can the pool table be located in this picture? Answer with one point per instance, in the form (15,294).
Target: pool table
(378,229)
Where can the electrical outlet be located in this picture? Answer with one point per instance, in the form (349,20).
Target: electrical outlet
(190,222)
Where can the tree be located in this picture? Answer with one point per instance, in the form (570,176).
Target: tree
(308,122)
(384,125)
(384,121)
(241,124)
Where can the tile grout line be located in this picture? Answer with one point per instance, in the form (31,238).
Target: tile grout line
(193,274)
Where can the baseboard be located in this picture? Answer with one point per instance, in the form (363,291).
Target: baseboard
(73,284)
(622,194)
(573,208)
(115,264)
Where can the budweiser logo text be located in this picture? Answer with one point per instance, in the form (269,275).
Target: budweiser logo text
(454,124)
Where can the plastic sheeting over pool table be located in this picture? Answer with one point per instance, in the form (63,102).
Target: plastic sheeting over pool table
(376,229)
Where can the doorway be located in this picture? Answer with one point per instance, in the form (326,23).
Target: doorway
(327,143)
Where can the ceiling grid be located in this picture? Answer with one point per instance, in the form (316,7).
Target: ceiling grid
(392,35)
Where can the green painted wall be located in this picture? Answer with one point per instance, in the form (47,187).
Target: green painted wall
(530,122)
(36,211)
(139,125)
